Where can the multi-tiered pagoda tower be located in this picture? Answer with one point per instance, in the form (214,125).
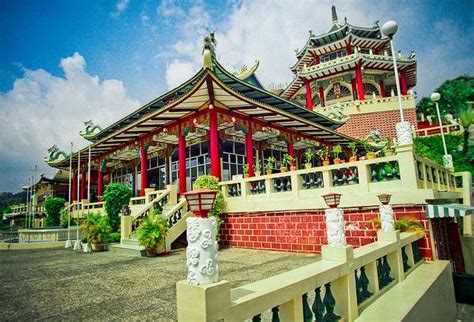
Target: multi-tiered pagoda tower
(347,74)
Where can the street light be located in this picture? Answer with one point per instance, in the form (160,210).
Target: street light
(447,158)
(332,199)
(201,234)
(403,128)
(384,198)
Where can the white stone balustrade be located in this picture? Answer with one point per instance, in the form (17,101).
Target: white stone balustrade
(411,179)
(285,294)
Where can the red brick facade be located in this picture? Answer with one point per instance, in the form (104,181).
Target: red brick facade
(305,231)
(359,125)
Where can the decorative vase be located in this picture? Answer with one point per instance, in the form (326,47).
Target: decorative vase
(86,248)
(326,163)
(99,247)
(389,153)
(337,161)
(293,168)
(151,252)
(353,159)
(269,172)
(371,155)
(308,166)
(282,169)
(257,173)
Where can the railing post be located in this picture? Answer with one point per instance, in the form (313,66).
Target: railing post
(327,180)
(147,194)
(407,164)
(344,288)
(268,186)
(363,177)
(225,190)
(203,303)
(395,258)
(125,227)
(173,196)
(244,189)
(292,311)
(295,185)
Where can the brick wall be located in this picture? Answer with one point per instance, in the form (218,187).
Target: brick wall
(305,231)
(359,125)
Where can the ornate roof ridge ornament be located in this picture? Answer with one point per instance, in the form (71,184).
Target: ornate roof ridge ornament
(90,131)
(209,51)
(54,155)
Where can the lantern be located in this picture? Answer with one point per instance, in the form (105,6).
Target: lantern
(200,201)
(384,198)
(332,199)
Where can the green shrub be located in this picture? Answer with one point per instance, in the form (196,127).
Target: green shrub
(96,228)
(431,147)
(152,231)
(115,196)
(211,182)
(113,238)
(53,207)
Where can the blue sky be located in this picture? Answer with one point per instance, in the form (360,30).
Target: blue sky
(64,62)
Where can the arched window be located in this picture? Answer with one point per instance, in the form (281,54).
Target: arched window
(370,88)
(337,91)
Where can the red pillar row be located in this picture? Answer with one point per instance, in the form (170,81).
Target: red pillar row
(74,187)
(214,144)
(100,182)
(321,95)
(249,149)
(348,49)
(309,95)
(383,93)
(291,149)
(359,83)
(143,169)
(83,185)
(182,161)
(403,82)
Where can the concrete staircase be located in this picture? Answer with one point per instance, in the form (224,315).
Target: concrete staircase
(129,247)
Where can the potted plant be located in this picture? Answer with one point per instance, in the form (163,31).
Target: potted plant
(284,162)
(152,232)
(96,230)
(308,156)
(388,148)
(353,147)
(290,161)
(269,165)
(368,153)
(337,150)
(86,246)
(246,170)
(323,154)
(258,168)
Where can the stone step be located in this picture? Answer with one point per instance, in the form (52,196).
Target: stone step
(131,242)
(129,250)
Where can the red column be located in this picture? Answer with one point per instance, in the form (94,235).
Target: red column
(383,93)
(359,83)
(182,161)
(354,89)
(249,149)
(291,149)
(321,96)
(309,95)
(403,82)
(143,169)
(348,49)
(317,60)
(100,181)
(83,185)
(74,187)
(214,144)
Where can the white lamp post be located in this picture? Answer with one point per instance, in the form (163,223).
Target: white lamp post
(447,158)
(403,128)
(77,243)
(201,253)
(68,241)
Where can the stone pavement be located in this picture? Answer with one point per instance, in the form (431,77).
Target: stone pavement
(59,284)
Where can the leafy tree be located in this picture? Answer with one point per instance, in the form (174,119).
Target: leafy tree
(7,210)
(115,196)
(432,147)
(53,207)
(455,97)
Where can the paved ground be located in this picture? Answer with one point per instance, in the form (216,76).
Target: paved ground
(58,284)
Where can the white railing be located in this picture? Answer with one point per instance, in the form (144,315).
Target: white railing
(176,218)
(344,282)
(448,128)
(403,175)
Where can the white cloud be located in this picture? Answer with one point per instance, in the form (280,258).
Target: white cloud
(120,7)
(168,8)
(179,71)
(41,110)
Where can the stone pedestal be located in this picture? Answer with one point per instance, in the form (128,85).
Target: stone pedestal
(68,244)
(386,218)
(77,245)
(201,253)
(404,135)
(335,227)
(448,161)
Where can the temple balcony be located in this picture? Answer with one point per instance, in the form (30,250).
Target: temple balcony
(410,179)
(369,105)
